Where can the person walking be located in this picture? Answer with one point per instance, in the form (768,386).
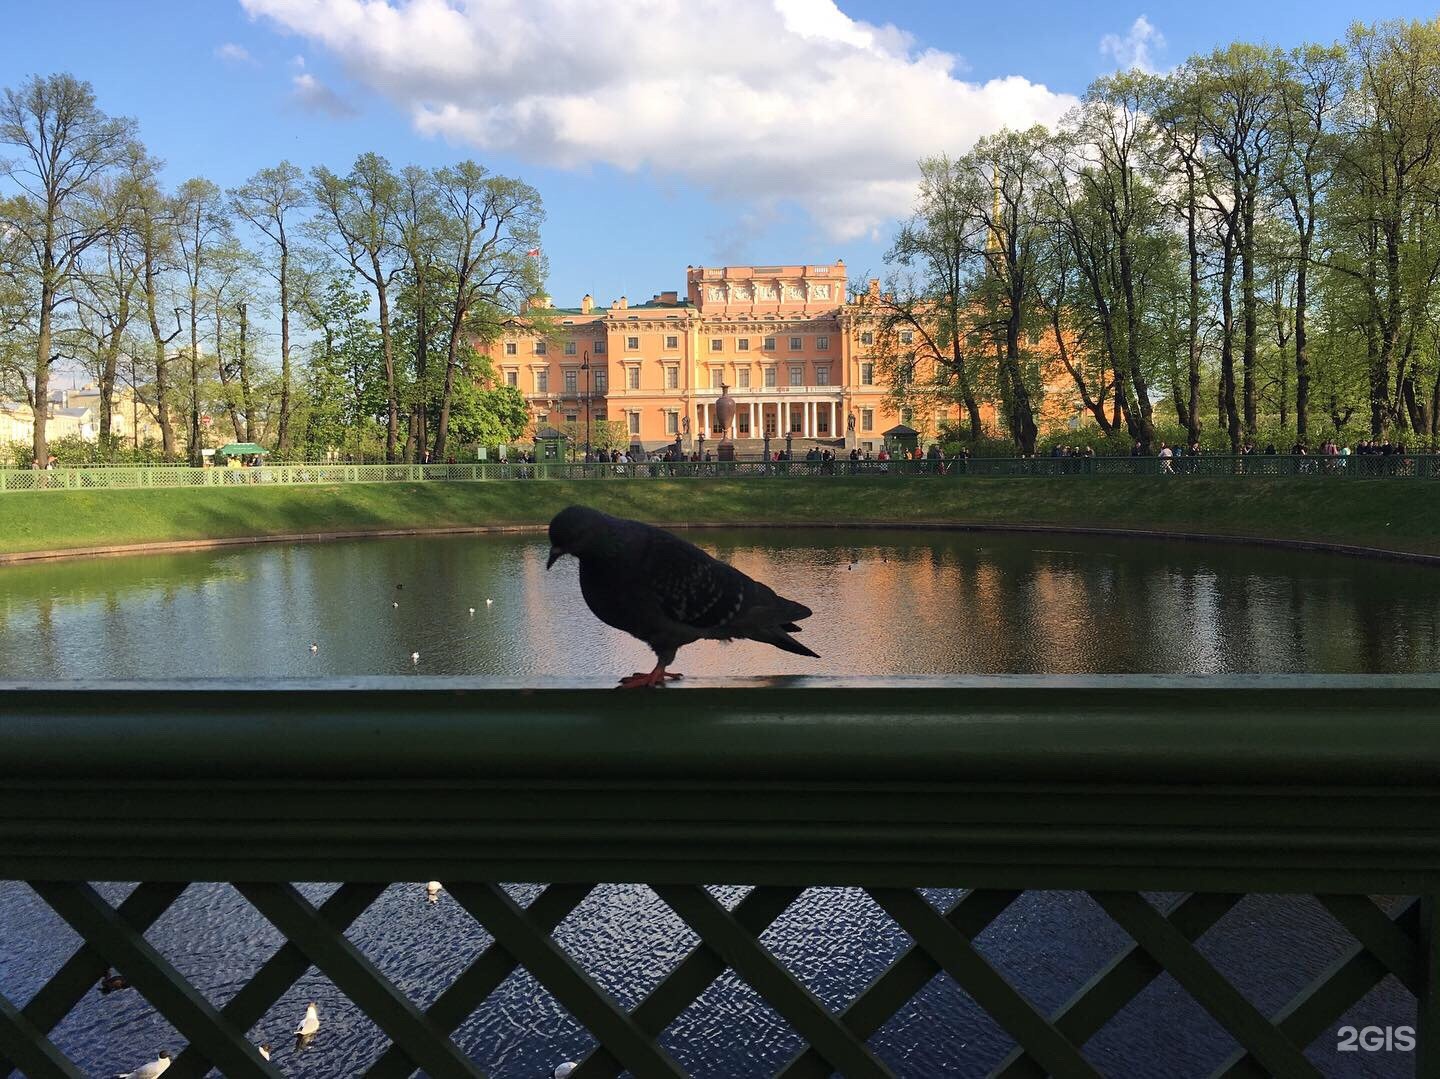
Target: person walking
(1167,466)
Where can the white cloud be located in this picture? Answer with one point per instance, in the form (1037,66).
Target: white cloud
(232,53)
(757,101)
(1137,48)
(310,93)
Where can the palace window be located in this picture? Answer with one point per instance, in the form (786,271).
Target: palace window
(672,423)
(634,423)
(770,377)
(672,378)
(602,380)
(599,417)
(822,421)
(867,419)
(769,344)
(632,344)
(600,347)
(570,417)
(906,337)
(796,344)
(672,342)
(742,422)
(542,381)
(822,342)
(539,348)
(632,378)
(715,376)
(867,338)
(716,344)
(569,348)
(510,348)
(822,376)
(742,378)
(570,377)
(743,344)
(512,378)
(797,376)
(867,374)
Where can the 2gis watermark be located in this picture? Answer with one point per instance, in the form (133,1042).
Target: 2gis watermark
(1375,1039)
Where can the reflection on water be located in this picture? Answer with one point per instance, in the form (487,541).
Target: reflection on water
(883,603)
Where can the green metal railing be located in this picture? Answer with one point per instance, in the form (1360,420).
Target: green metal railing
(126,478)
(1327,786)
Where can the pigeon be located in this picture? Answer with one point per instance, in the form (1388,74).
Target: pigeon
(264,1049)
(314,648)
(148,1071)
(564,1070)
(111,983)
(667,592)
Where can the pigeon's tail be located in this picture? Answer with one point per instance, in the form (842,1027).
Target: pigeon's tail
(783,641)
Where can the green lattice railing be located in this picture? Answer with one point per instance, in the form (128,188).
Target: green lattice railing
(1315,785)
(118,477)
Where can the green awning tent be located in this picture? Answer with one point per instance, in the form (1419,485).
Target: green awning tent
(242,449)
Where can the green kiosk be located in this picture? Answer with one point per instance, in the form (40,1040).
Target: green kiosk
(901,440)
(549,447)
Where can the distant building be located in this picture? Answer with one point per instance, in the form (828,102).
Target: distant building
(794,352)
(17,422)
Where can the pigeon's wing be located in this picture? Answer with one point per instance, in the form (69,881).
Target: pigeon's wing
(691,587)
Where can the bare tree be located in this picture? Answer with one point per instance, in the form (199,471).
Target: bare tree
(66,144)
(202,229)
(359,220)
(270,201)
(489,224)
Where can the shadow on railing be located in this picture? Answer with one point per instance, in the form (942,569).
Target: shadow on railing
(123,478)
(1116,787)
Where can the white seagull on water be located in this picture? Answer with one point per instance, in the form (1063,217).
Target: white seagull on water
(310,1024)
(432,891)
(148,1071)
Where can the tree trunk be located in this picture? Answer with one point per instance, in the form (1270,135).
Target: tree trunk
(1248,313)
(1192,411)
(246,401)
(387,349)
(1302,354)
(42,371)
(196,458)
(109,369)
(1227,344)
(282,443)
(224,376)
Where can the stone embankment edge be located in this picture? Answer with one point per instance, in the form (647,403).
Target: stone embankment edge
(1356,550)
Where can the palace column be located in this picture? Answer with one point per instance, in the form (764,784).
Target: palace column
(784,418)
(754,425)
(809,419)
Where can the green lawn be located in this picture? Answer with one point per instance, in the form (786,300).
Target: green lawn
(1402,515)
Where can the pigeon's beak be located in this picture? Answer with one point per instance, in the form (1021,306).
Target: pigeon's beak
(555,554)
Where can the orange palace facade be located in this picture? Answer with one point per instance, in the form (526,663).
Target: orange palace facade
(784,339)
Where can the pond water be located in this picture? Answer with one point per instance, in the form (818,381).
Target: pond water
(884,603)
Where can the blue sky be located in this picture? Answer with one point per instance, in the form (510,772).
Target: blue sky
(659,135)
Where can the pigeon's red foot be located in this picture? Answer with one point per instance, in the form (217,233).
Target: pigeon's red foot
(648,679)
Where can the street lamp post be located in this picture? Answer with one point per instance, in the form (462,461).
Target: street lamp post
(585,366)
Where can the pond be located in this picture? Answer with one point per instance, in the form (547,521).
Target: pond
(884,603)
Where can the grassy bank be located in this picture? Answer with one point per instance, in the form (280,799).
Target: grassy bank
(1392,514)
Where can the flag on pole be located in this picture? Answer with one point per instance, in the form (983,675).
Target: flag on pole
(533,253)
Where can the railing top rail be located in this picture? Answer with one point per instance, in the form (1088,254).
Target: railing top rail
(1302,729)
(1269,784)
